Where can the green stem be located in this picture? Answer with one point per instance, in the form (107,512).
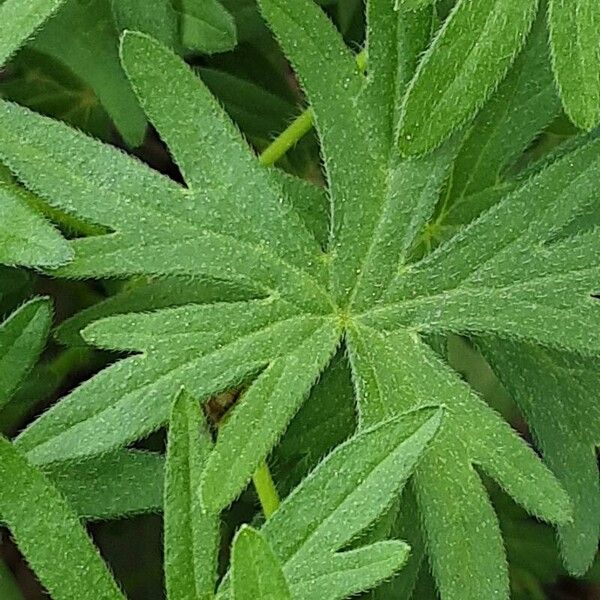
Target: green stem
(299,127)
(266,490)
(287,139)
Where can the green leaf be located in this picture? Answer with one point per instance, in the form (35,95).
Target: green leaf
(575,43)
(191,531)
(15,287)
(43,84)
(207,349)
(325,420)
(511,273)
(505,274)
(147,297)
(124,483)
(255,571)
(26,238)
(468,58)
(557,393)
(412,4)
(157,18)
(524,103)
(341,498)
(257,111)
(91,51)
(268,405)
(328,73)
(206,26)
(398,372)
(21,19)
(406,527)
(49,529)
(365,180)
(22,339)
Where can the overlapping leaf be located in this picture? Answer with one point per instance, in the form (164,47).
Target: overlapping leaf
(505,274)
(557,392)
(574,28)
(191,532)
(83,36)
(343,496)
(495,251)
(48,530)
(466,61)
(21,20)
(255,572)
(396,372)
(22,339)
(26,238)
(473,50)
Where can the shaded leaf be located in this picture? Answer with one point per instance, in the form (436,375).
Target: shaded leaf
(91,51)
(398,372)
(206,26)
(557,393)
(341,498)
(125,483)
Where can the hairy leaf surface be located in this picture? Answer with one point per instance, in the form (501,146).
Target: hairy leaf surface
(342,497)
(48,530)
(191,532)
(574,26)
(511,273)
(466,61)
(26,238)
(21,19)
(255,571)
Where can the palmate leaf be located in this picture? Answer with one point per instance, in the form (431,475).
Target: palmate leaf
(315,77)
(237,221)
(395,372)
(157,19)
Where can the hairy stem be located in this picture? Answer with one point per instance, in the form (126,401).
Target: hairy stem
(298,128)
(266,490)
